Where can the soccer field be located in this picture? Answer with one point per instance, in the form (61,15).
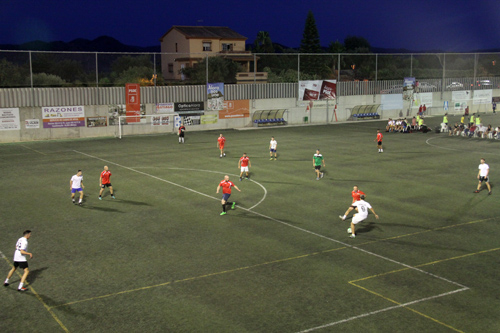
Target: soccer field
(160,258)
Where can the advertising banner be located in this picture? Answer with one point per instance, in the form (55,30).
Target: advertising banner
(235,109)
(461,95)
(408,87)
(421,99)
(161,120)
(482,96)
(392,102)
(317,89)
(133,102)
(215,96)
(209,119)
(32,123)
(165,108)
(97,121)
(9,119)
(189,107)
(63,116)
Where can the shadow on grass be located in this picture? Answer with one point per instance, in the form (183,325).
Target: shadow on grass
(131,202)
(34,274)
(101,209)
(367,228)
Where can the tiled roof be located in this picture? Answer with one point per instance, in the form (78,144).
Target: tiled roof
(206,32)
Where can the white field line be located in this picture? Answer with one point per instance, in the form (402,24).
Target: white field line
(455,149)
(382,310)
(287,224)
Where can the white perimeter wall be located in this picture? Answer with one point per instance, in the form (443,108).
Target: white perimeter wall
(321,113)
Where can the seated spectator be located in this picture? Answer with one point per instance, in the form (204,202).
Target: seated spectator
(472,130)
(414,123)
(488,132)
(388,127)
(461,128)
(454,130)
(420,123)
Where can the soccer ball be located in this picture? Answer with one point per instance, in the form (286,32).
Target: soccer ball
(349,231)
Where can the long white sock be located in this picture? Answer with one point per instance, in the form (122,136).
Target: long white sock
(20,285)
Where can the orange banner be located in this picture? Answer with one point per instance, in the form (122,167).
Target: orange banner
(235,109)
(133,102)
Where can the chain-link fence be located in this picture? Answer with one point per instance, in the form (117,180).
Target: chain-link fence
(356,74)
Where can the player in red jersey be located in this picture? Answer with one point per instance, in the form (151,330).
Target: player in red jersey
(220,144)
(356,194)
(182,129)
(105,182)
(244,163)
(226,185)
(379,141)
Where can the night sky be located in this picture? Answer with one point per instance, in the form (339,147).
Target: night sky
(447,25)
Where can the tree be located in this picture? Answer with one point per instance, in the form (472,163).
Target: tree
(309,64)
(12,75)
(310,38)
(219,70)
(355,44)
(263,43)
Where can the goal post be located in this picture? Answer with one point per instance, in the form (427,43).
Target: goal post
(148,124)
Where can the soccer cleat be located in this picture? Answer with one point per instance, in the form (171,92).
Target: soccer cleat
(224,154)
(223,213)
(73,201)
(271,159)
(317,178)
(79,204)
(322,175)
(247,177)
(6,284)
(240,179)
(113,197)
(489,193)
(349,231)
(22,289)
(353,236)
(476,191)
(234,204)
(100,198)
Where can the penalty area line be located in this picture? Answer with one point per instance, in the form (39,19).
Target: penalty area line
(384,310)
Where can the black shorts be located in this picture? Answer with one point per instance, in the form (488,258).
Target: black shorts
(106,185)
(317,167)
(21,264)
(379,143)
(181,134)
(484,179)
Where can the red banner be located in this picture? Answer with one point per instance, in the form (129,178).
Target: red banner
(133,102)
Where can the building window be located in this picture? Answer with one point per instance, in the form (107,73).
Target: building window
(176,50)
(227,47)
(170,68)
(207,46)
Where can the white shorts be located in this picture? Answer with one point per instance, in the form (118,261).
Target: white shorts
(244,169)
(358,218)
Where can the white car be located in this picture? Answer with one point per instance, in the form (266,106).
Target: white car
(455,86)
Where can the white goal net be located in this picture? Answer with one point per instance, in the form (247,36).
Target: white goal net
(148,124)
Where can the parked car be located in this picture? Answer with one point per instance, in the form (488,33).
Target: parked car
(426,86)
(455,86)
(397,89)
(483,83)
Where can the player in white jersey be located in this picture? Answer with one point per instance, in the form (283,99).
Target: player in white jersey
(362,208)
(76,185)
(483,176)
(273,145)
(20,260)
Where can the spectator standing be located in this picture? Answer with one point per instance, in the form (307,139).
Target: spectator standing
(494,106)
